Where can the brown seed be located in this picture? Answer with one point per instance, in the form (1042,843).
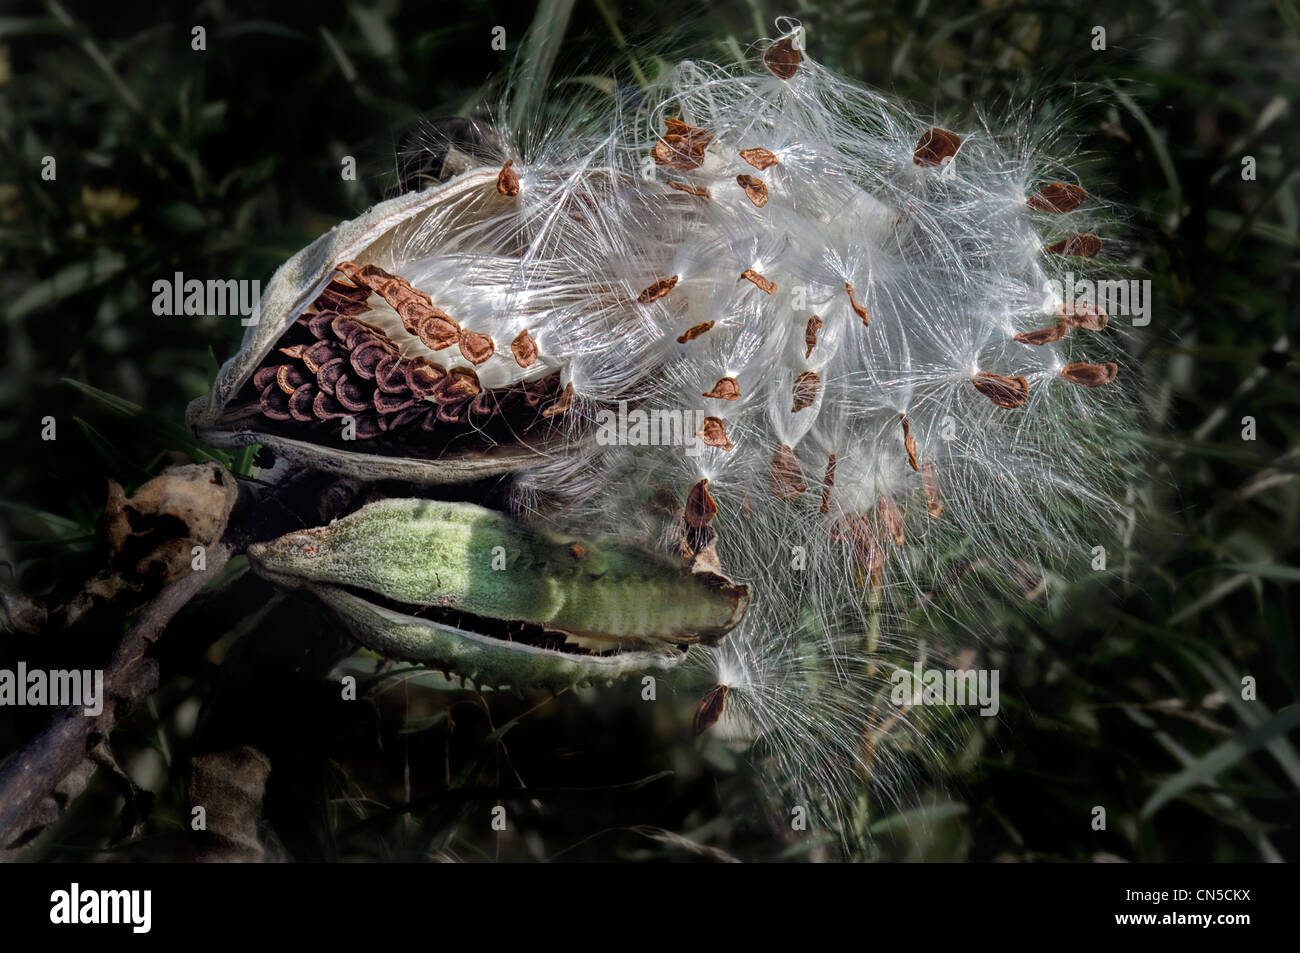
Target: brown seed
(508,181)
(390,375)
(858,308)
(696,190)
(265,376)
(682,145)
(693,332)
(909,442)
(936,147)
(1046,335)
(930,484)
(460,384)
(700,508)
(806,387)
(1090,375)
(828,481)
(763,284)
(782,58)
(855,529)
(578,551)
(524,348)
(1056,198)
(1082,246)
(296,352)
(423,377)
(709,709)
(329,374)
(289,378)
(561,403)
(759,158)
(353,397)
(713,431)
(755,188)
(437,332)
(787,475)
(810,335)
(1004,391)
(274,403)
(476,347)
(891,518)
(325,407)
(388,403)
(658,290)
(1082,315)
(725,389)
(300,402)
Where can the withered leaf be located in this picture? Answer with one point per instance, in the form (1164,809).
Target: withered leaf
(713,431)
(696,190)
(936,147)
(692,333)
(1057,198)
(1046,335)
(909,442)
(725,389)
(930,484)
(561,403)
(658,290)
(787,475)
(1004,391)
(806,388)
(1090,375)
(763,284)
(759,158)
(755,188)
(891,518)
(508,181)
(524,348)
(700,507)
(810,335)
(1082,246)
(828,481)
(710,708)
(1082,315)
(858,308)
(782,58)
(476,347)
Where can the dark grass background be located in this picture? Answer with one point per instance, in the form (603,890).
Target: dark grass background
(1124,692)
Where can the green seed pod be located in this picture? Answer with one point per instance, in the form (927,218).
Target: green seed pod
(459,586)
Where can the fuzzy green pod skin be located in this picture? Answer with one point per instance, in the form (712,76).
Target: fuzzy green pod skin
(466,558)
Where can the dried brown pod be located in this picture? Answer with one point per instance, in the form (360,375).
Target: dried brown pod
(1080,246)
(1082,315)
(755,188)
(693,332)
(810,335)
(709,709)
(806,388)
(1046,335)
(930,484)
(760,159)
(713,431)
(1006,392)
(562,403)
(936,147)
(828,481)
(696,190)
(508,180)
(857,307)
(700,507)
(725,389)
(1090,375)
(476,347)
(1057,198)
(787,475)
(761,283)
(782,58)
(658,289)
(891,517)
(909,442)
(524,348)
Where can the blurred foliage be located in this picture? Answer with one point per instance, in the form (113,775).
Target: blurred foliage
(1121,690)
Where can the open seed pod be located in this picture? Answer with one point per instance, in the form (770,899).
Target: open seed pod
(458,586)
(349,367)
